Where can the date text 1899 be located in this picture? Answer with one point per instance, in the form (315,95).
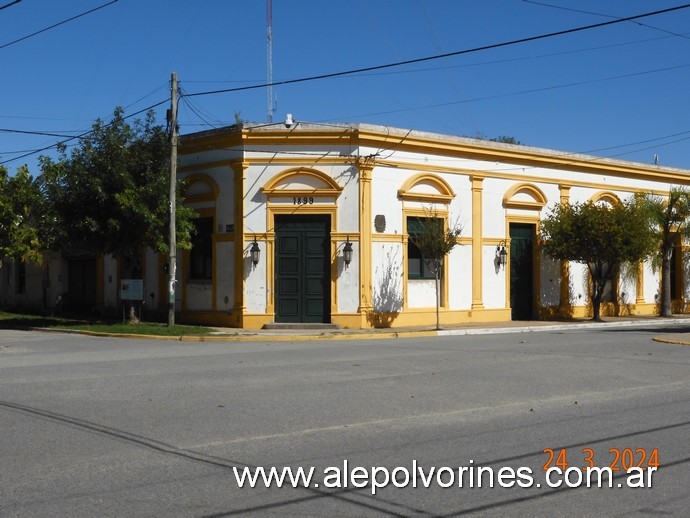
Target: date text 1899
(303,200)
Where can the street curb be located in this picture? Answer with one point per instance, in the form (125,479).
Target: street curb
(559,327)
(663,340)
(240,338)
(383,335)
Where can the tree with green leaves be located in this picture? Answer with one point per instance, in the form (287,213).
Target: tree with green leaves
(24,222)
(110,193)
(670,217)
(599,236)
(435,240)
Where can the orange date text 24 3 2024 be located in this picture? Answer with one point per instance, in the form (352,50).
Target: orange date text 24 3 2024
(616,459)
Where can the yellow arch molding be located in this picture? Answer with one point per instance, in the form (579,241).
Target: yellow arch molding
(200,178)
(330,186)
(445,192)
(605,196)
(531,190)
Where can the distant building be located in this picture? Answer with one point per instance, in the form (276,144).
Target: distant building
(302,195)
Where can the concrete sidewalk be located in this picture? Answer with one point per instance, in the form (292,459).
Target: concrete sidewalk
(296,333)
(671,330)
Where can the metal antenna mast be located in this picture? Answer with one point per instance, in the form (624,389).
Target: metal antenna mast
(269,58)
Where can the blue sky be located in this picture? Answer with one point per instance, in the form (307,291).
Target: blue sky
(618,91)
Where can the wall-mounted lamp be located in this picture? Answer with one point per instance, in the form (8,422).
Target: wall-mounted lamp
(502,254)
(347,252)
(255,252)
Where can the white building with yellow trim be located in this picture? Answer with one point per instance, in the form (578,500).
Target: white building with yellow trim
(303,195)
(321,187)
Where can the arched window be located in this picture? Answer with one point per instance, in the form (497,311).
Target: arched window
(200,192)
(524,196)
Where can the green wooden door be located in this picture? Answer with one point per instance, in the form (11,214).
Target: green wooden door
(522,270)
(302,269)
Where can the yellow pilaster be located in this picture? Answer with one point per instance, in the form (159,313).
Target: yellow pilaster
(477,297)
(239,308)
(365,167)
(639,284)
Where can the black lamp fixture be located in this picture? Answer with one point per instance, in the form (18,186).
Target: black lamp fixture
(255,252)
(347,252)
(502,254)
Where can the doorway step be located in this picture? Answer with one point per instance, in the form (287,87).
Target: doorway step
(301,325)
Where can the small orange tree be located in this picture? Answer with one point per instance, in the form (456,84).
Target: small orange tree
(599,236)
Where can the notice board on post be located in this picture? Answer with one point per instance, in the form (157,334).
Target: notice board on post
(132,289)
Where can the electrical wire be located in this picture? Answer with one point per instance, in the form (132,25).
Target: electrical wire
(367,69)
(605,16)
(81,135)
(61,135)
(445,55)
(196,110)
(10,4)
(520,92)
(57,24)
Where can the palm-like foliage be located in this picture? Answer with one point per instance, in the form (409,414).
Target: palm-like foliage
(669,217)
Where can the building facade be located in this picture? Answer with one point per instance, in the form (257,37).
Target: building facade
(303,196)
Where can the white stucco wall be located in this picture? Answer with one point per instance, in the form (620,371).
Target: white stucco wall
(199,295)
(421,293)
(460,277)
(579,288)
(255,280)
(493,213)
(348,280)
(384,197)
(348,206)
(550,288)
(627,291)
(651,284)
(387,291)
(493,280)
(225,278)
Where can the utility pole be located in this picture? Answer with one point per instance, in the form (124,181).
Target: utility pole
(172,259)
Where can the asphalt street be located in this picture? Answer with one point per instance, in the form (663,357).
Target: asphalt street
(119,427)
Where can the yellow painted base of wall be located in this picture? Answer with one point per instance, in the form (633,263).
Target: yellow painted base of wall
(416,317)
(348,320)
(608,309)
(427,317)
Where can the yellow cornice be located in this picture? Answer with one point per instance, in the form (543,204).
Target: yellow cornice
(517,176)
(449,147)
(517,155)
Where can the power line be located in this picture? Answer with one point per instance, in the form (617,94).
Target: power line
(520,92)
(445,55)
(81,135)
(364,69)
(61,135)
(56,24)
(10,4)
(563,8)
